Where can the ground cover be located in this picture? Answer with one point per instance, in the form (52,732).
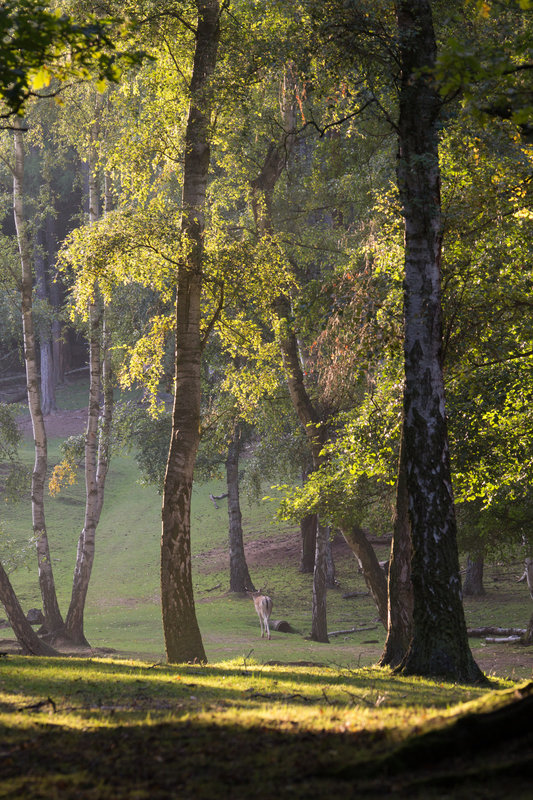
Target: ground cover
(94,728)
(285,717)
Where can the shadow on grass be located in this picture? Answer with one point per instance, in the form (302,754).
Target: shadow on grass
(189,759)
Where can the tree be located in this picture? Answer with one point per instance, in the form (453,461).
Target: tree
(439,646)
(183,641)
(240,580)
(53,619)
(39,45)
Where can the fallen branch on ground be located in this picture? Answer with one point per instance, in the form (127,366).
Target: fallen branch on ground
(353,630)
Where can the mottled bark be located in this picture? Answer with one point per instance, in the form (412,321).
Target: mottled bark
(319,629)
(400,589)
(439,645)
(372,572)
(26,636)
(473,582)
(183,641)
(54,621)
(239,576)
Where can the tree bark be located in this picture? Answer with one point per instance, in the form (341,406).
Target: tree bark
(183,641)
(400,589)
(53,619)
(239,576)
(439,646)
(473,582)
(372,572)
(87,538)
(26,636)
(308,535)
(319,628)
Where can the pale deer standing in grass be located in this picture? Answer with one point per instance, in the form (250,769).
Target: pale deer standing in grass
(263,606)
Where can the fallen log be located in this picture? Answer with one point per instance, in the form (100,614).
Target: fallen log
(349,595)
(503,639)
(493,631)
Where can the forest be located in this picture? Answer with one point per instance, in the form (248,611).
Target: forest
(286,246)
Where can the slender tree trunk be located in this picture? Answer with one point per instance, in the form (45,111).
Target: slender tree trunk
(183,640)
(87,538)
(331,580)
(400,594)
(372,572)
(308,535)
(26,636)
(98,431)
(54,622)
(48,394)
(54,292)
(262,194)
(319,628)
(439,646)
(239,580)
(473,582)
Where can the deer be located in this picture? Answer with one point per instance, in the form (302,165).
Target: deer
(263,606)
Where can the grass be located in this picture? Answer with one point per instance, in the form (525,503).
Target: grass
(95,728)
(286,717)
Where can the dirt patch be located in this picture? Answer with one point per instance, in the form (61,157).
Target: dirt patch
(60,424)
(265,552)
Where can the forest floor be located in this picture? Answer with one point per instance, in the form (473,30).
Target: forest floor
(108,724)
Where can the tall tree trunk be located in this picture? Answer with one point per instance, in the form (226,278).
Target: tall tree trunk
(26,636)
(400,594)
(54,622)
(183,640)
(98,431)
(439,646)
(314,430)
(239,576)
(473,582)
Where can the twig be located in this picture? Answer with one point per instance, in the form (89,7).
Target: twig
(353,630)
(212,588)
(39,705)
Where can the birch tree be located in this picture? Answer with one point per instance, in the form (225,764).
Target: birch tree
(183,640)
(439,646)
